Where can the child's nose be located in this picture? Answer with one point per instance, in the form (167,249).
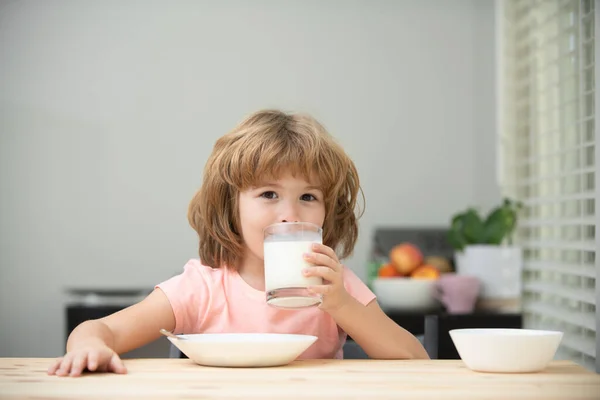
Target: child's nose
(289,213)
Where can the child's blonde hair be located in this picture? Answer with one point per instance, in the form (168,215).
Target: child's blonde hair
(265,145)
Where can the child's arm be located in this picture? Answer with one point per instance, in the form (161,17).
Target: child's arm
(376,333)
(96,344)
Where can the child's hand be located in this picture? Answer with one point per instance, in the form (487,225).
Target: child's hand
(328,267)
(94,357)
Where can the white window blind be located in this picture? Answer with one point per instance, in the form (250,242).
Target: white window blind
(549,160)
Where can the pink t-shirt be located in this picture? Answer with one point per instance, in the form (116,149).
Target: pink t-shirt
(218,300)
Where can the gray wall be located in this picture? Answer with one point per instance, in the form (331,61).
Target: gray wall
(108,110)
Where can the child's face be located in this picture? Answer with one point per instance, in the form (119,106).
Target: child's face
(287,199)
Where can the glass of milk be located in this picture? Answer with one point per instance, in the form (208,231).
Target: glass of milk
(284,246)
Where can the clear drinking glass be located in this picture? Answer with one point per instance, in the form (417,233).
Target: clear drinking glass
(284,246)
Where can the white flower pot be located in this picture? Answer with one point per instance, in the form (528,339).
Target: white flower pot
(499,268)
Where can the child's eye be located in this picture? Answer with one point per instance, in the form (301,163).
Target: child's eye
(308,197)
(269,195)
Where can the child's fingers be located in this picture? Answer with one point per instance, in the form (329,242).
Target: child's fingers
(54,366)
(328,251)
(92,360)
(65,365)
(116,365)
(79,363)
(324,272)
(322,259)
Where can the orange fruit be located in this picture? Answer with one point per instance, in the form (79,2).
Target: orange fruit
(406,257)
(425,272)
(387,271)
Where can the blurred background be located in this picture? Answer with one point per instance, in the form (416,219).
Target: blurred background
(109,110)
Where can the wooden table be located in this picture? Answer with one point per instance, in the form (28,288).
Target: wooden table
(26,378)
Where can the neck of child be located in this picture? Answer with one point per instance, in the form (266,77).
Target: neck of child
(252,271)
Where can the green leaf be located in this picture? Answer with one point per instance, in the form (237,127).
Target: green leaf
(495,228)
(372,270)
(495,232)
(457,222)
(473,227)
(456,240)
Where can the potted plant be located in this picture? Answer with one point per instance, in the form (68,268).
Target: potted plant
(484,248)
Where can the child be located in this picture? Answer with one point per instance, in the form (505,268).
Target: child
(274,167)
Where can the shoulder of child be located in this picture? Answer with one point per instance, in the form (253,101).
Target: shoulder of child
(195,269)
(194,272)
(191,293)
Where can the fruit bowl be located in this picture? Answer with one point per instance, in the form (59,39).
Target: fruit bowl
(405,294)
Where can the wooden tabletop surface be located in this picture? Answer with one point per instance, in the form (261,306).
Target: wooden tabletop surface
(26,378)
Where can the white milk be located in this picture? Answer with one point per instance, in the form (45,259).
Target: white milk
(284,263)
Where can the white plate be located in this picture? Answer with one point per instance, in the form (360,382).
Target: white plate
(243,349)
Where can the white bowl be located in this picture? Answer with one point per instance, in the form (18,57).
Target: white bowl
(243,349)
(405,294)
(506,350)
